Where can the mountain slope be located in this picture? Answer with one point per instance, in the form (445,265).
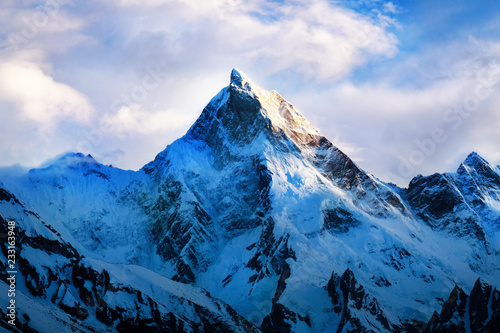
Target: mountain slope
(64,290)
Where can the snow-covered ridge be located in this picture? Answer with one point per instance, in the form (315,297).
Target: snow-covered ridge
(282,115)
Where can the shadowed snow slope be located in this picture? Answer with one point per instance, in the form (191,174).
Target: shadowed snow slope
(255,207)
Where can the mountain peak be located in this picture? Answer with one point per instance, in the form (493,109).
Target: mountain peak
(480,170)
(67,160)
(238,78)
(242,111)
(475,161)
(474,158)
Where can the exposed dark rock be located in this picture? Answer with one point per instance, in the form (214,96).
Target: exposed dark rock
(7,196)
(398,257)
(184,273)
(435,194)
(338,220)
(270,254)
(380,281)
(477,168)
(479,312)
(349,299)
(338,167)
(437,198)
(285,274)
(280,320)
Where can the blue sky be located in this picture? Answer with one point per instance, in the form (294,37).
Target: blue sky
(403,87)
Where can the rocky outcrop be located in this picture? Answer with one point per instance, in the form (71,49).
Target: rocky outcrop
(355,306)
(479,312)
(281,319)
(338,219)
(436,199)
(458,202)
(378,198)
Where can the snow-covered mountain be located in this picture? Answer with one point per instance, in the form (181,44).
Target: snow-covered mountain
(253,221)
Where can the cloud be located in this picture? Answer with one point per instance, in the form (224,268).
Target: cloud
(368,73)
(132,119)
(321,41)
(425,116)
(31,25)
(316,39)
(39,97)
(390,7)
(152,3)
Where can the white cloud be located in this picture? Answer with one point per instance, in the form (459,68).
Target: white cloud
(427,114)
(390,7)
(152,3)
(92,53)
(26,25)
(131,120)
(316,39)
(39,97)
(320,41)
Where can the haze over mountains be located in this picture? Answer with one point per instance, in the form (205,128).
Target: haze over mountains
(253,221)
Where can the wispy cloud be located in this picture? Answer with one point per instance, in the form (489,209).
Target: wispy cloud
(374,75)
(316,39)
(131,119)
(423,117)
(39,97)
(71,62)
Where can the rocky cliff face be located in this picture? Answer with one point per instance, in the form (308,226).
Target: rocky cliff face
(58,289)
(252,210)
(355,307)
(463,203)
(477,312)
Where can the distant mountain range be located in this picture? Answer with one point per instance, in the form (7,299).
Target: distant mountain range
(251,222)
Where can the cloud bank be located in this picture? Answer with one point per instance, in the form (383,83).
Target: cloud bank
(121,79)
